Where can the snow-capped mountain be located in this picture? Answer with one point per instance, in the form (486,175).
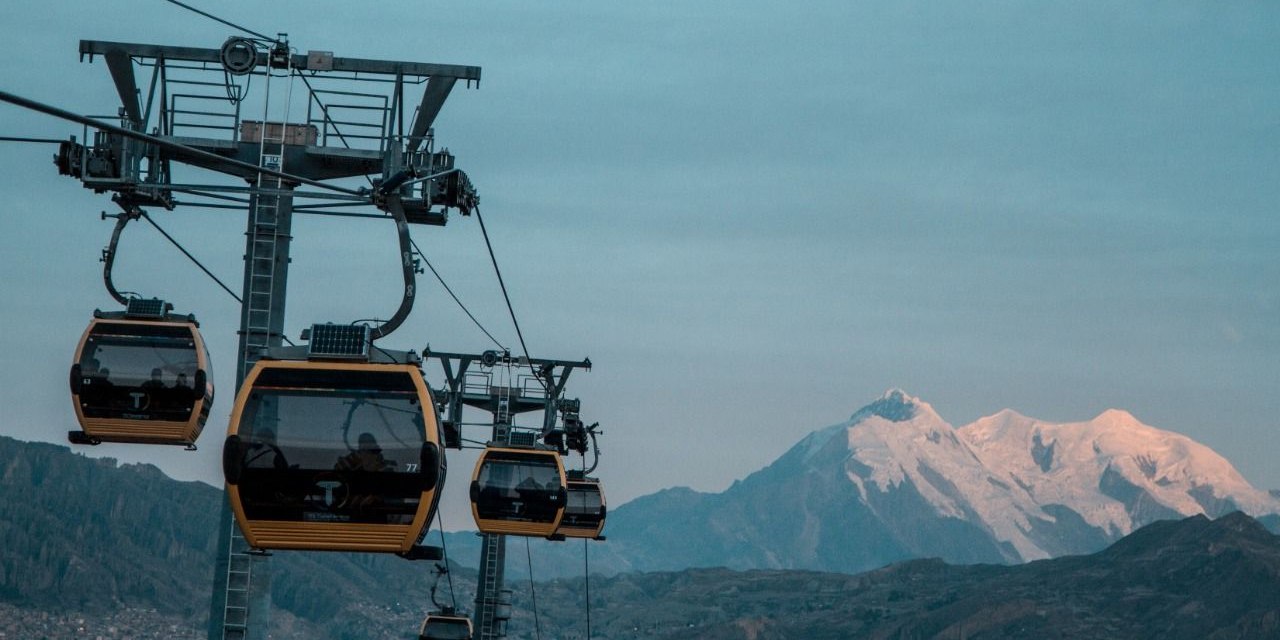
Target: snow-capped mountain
(896,481)
(1040,489)
(1117,473)
(900,444)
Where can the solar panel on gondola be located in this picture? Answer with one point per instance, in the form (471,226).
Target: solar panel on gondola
(518,491)
(141,376)
(339,341)
(145,308)
(337,456)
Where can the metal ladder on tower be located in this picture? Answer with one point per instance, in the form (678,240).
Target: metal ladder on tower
(235,622)
(262,258)
(258,335)
(504,400)
(493,559)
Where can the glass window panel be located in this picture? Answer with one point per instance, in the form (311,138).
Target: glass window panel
(144,375)
(519,488)
(337,454)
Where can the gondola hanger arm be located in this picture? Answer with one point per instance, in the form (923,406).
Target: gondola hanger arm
(109,253)
(390,202)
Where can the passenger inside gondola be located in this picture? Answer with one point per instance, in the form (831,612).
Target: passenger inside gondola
(182,391)
(528,493)
(327,479)
(264,453)
(156,382)
(368,457)
(95,386)
(120,377)
(519,492)
(152,393)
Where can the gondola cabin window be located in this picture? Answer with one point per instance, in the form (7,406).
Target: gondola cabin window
(139,372)
(519,488)
(583,507)
(326,446)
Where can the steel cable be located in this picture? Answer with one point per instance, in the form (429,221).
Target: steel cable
(533,593)
(586,581)
(454,295)
(444,550)
(193,259)
(505,296)
(213,17)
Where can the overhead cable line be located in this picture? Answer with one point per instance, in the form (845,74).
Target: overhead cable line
(586,580)
(215,196)
(510,309)
(186,253)
(207,205)
(452,294)
(21,139)
(213,17)
(356,203)
(444,550)
(296,210)
(533,593)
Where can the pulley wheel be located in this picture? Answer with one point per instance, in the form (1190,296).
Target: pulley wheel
(239,56)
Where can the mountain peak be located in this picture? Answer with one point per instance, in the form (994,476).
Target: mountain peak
(1116,417)
(1009,414)
(895,405)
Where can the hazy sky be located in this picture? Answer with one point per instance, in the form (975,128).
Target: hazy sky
(754,217)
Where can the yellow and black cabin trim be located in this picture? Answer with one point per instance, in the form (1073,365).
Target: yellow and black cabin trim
(518,491)
(333,456)
(141,381)
(584,509)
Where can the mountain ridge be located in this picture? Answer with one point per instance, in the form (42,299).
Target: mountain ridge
(1186,579)
(896,481)
(1180,579)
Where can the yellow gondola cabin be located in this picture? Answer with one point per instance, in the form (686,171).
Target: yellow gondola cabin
(518,491)
(336,456)
(141,378)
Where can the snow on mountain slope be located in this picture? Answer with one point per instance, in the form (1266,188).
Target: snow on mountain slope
(900,439)
(1114,471)
(895,481)
(1038,489)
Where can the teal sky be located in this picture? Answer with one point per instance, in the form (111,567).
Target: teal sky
(754,217)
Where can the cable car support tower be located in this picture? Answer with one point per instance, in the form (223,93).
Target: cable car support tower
(354,125)
(504,397)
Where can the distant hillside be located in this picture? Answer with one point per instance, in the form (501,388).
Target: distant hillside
(95,546)
(1193,579)
(87,535)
